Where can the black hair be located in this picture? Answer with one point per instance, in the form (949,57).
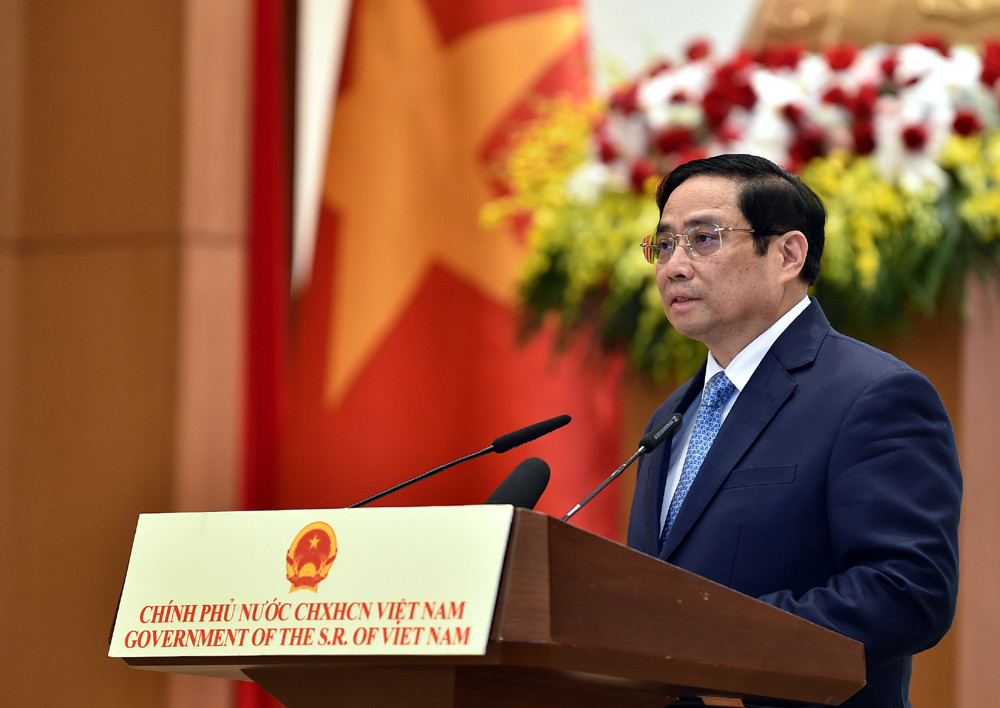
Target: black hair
(773,200)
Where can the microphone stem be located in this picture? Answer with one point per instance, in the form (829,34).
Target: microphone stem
(602,485)
(416,479)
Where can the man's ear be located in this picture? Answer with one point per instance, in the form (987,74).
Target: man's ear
(793,247)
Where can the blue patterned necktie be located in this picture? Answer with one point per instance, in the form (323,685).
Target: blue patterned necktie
(718,390)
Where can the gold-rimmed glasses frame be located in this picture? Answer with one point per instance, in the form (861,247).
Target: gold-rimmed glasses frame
(702,241)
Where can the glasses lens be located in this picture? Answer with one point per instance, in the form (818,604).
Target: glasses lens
(650,248)
(704,241)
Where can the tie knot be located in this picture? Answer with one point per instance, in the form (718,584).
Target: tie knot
(718,390)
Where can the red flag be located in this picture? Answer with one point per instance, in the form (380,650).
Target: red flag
(406,338)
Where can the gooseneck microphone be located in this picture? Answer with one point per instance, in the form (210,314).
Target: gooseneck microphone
(523,487)
(531,432)
(501,444)
(649,441)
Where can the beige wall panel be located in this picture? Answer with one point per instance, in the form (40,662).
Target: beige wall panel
(818,23)
(11,90)
(9,546)
(94,384)
(210,383)
(102,117)
(216,121)
(214,182)
(214,215)
(88,315)
(934,347)
(979,447)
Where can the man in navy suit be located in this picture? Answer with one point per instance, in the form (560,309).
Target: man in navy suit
(831,488)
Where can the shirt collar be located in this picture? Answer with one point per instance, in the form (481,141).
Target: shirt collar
(743,365)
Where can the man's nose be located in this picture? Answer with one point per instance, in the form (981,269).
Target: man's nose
(679,264)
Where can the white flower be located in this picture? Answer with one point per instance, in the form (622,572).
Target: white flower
(926,90)
(766,134)
(629,135)
(918,172)
(813,74)
(776,90)
(656,95)
(588,182)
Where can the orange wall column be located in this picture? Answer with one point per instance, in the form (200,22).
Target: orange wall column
(978,681)
(123,164)
(90,119)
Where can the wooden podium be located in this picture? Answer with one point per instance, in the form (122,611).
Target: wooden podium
(582,621)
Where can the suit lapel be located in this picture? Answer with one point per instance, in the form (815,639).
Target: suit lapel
(759,401)
(652,472)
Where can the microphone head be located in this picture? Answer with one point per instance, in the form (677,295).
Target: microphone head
(523,487)
(533,431)
(660,433)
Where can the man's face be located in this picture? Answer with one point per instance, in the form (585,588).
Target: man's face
(729,298)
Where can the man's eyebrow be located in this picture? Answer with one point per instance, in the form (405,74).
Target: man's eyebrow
(705,220)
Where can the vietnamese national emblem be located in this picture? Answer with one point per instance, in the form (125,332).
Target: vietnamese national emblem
(310,556)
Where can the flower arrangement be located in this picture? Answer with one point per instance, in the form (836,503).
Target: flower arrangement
(902,143)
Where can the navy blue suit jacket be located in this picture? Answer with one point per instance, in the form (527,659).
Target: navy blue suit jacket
(832,491)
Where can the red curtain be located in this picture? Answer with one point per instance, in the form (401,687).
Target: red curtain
(266,370)
(266,362)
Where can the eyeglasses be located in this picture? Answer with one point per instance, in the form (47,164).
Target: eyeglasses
(702,241)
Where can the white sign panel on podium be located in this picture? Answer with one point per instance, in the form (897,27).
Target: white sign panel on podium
(420,580)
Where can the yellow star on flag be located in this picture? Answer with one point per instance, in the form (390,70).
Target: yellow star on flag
(406,177)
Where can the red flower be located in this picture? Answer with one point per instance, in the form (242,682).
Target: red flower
(716,104)
(728,132)
(808,143)
(837,96)
(606,150)
(732,88)
(967,122)
(674,139)
(741,60)
(693,153)
(793,113)
(642,169)
(864,137)
(660,66)
(915,136)
(863,106)
(625,99)
(933,41)
(841,56)
(699,49)
(743,94)
(889,65)
(782,57)
(991,63)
